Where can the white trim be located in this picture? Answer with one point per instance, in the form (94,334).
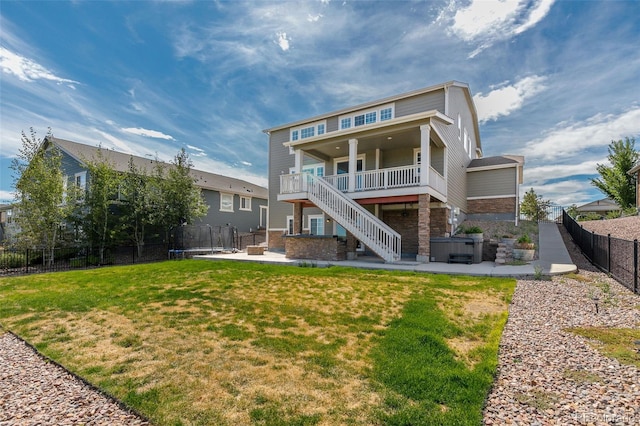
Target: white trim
(433,115)
(266,216)
(305,126)
(497,166)
(287,229)
(244,197)
(222,196)
(319,217)
(492,197)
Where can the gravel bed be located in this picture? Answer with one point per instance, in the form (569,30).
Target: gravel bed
(549,376)
(626,228)
(36,392)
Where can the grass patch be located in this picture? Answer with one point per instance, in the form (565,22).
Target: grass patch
(198,342)
(618,343)
(537,399)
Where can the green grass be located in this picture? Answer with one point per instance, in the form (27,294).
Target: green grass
(200,343)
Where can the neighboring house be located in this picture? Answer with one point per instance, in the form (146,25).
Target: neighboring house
(7,224)
(636,170)
(600,207)
(231,201)
(385,176)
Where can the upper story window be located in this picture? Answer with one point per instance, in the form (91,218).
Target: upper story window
(81,180)
(245,203)
(226,202)
(308,130)
(371,116)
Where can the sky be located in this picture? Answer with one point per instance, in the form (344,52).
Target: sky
(555,81)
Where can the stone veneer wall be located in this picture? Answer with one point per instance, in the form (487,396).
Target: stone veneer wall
(404,223)
(275,240)
(492,206)
(440,226)
(315,247)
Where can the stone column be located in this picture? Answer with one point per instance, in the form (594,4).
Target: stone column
(352,245)
(424,231)
(297,218)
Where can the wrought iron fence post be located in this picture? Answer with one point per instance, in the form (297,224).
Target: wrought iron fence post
(26,266)
(635,266)
(133,253)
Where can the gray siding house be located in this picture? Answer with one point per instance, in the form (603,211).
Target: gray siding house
(384,176)
(231,201)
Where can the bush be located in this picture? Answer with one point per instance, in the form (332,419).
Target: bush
(12,260)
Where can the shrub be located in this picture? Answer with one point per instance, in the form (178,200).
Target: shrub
(12,260)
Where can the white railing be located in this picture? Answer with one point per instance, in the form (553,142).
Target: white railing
(393,177)
(367,228)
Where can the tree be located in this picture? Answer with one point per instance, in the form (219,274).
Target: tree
(101,220)
(138,209)
(572,211)
(614,180)
(39,193)
(179,201)
(533,207)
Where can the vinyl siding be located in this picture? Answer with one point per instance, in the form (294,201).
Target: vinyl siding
(243,220)
(492,183)
(420,103)
(280,161)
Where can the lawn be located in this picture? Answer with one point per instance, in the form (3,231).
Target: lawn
(202,343)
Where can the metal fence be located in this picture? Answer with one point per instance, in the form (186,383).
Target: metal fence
(617,257)
(63,259)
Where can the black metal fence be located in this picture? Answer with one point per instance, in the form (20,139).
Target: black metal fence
(63,259)
(617,257)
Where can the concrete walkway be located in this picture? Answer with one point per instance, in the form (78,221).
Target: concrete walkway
(553,259)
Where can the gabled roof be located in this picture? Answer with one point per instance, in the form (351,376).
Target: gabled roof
(603,205)
(635,168)
(120,161)
(500,160)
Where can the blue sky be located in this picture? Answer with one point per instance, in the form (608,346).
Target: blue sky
(555,81)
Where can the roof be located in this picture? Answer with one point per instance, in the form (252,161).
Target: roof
(500,160)
(603,205)
(120,161)
(635,168)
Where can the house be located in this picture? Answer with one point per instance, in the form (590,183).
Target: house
(636,170)
(7,225)
(598,208)
(231,201)
(385,177)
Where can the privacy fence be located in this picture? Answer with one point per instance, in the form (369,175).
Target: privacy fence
(617,257)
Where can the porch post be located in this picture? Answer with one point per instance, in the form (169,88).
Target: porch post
(297,218)
(353,163)
(298,160)
(425,154)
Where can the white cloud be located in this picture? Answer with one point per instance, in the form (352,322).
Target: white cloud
(148,133)
(571,139)
(282,41)
(487,21)
(6,196)
(564,192)
(507,98)
(26,69)
(543,173)
(314,18)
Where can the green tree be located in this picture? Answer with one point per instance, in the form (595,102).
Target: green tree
(138,208)
(39,193)
(101,220)
(614,181)
(572,211)
(533,207)
(178,201)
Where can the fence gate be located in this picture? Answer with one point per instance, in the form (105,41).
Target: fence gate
(553,214)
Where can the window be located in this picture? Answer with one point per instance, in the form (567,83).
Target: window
(316,169)
(467,146)
(290,225)
(9,216)
(370,117)
(417,156)
(81,180)
(386,114)
(459,127)
(316,225)
(226,202)
(308,131)
(361,118)
(245,203)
